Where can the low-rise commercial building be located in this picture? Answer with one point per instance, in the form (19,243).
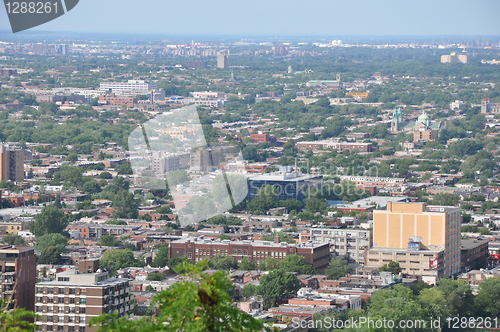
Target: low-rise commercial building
(196,249)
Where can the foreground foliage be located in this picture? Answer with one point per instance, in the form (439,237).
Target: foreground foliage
(199,304)
(14,320)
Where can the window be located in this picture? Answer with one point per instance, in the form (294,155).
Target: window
(71,329)
(49,327)
(72,300)
(72,291)
(60,291)
(60,328)
(82,310)
(39,308)
(50,309)
(189,255)
(39,299)
(81,329)
(60,300)
(82,319)
(50,318)
(60,319)
(83,301)
(50,290)
(71,310)
(39,290)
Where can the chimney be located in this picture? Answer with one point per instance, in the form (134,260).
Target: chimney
(276,239)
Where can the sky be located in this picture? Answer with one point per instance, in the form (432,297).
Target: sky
(279,17)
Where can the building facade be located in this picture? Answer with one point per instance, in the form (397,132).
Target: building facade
(288,185)
(68,303)
(454,58)
(11,163)
(18,275)
(196,249)
(222,61)
(130,86)
(339,146)
(415,230)
(348,242)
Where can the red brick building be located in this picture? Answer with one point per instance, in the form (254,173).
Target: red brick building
(195,249)
(18,275)
(117,101)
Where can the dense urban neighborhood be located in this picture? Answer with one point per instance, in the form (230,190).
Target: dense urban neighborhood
(275,185)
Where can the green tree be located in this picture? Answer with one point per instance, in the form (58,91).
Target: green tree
(266,198)
(200,303)
(247,264)
(15,320)
(124,168)
(116,222)
(488,296)
(50,255)
(277,285)
(458,295)
(114,259)
(445,199)
(125,205)
(222,262)
(50,220)
(109,240)
(269,264)
(51,240)
(161,257)
(249,290)
(392,267)
(159,276)
(106,175)
(337,268)
(316,205)
(13,239)
(296,263)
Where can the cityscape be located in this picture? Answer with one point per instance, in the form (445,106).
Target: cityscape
(239,182)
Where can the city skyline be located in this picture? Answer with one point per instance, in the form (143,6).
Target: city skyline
(279,18)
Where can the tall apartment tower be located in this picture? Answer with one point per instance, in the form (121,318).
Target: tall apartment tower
(18,275)
(11,164)
(424,240)
(223,61)
(69,302)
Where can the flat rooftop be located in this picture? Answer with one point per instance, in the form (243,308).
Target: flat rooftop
(247,242)
(278,176)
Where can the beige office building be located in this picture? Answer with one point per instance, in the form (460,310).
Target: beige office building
(222,61)
(454,58)
(425,240)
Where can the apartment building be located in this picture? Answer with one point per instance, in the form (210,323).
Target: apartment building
(18,275)
(222,61)
(11,163)
(195,249)
(14,226)
(130,86)
(343,242)
(425,240)
(68,303)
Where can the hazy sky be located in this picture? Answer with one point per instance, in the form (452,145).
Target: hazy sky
(280,17)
